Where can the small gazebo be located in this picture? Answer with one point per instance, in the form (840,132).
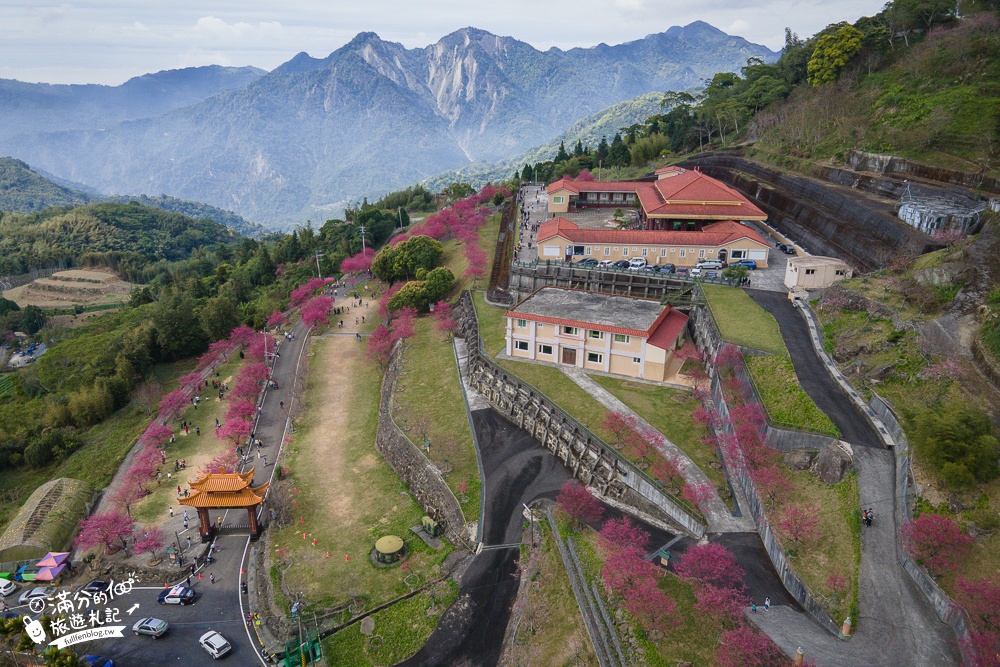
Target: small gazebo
(225,491)
(389,549)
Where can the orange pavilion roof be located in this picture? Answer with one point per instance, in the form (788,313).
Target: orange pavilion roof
(245,497)
(229,481)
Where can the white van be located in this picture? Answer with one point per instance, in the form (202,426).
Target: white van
(636,263)
(710,264)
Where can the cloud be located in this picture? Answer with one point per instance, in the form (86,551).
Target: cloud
(737,27)
(215,28)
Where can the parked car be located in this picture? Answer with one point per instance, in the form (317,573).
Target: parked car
(667,268)
(97,586)
(588,261)
(682,271)
(711,274)
(7,587)
(215,644)
(636,263)
(97,661)
(153,627)
(621,264)
(786,248)
(605,263)
(176,595)
(749,263)
(710,264)
(39,592)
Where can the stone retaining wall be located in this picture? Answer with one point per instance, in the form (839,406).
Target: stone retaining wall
(424,480)
(946,610)
(890,164)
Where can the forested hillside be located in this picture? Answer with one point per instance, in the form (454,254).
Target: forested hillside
(125,236)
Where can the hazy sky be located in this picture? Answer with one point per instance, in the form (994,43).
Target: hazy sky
(109,41)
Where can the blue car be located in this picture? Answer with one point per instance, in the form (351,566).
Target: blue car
(749,263)
(97,661)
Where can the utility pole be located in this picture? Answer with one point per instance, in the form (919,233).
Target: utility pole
(362,239)
(399,212)
(318,255)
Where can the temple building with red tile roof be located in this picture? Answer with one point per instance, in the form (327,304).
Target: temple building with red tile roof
(679,199)
(593,331)
(727,241)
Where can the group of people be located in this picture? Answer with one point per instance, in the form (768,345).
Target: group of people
(867,516)
(528,228)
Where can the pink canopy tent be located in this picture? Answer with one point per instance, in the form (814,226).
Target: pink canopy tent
(49,573)
(53,559)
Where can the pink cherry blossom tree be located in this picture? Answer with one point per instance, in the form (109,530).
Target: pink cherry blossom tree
(936,542)
(277,318)
(711,564)
(696,494)
(378,347)
(105,529)
(235,431)
(317,311)
(241,335)
(800,523)
(578,503)
(359,262)
(651,606)
(241,410)
(173,403)
(150,540)
(403,324)
(744,646)
(157,435)
(621,534)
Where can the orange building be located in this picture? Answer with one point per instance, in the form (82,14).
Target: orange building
(727,241)
(623,335)
(679,199)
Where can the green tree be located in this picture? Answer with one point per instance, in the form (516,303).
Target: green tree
(438,282)
(401,262)
(457,191)
(562,155)
(218,317)
(831,54)
(957,439)
(618,154)
(601,155)
(413,294)
(178,331)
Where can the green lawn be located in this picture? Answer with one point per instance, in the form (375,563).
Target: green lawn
(429,402)
(786,403)
(346,494)
(551,611)
(400,631)
(669,411)
(837,548)
(492,324)
(742,321)
(194,449)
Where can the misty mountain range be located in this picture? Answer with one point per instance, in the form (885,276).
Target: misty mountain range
(315,133)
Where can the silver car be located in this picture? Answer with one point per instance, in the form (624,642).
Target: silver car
(153,627)
(215,644)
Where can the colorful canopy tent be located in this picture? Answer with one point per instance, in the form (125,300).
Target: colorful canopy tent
(53,559)
(49,573)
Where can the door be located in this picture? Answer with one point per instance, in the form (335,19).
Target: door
(569,356)
(723,254)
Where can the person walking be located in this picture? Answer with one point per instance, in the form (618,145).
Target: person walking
(211,577)
(189,541)
(753,608)
(189,579)
(767,604)
(265,461)
(281,404)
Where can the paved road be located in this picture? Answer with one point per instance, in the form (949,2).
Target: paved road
(536,212)
(215,608)
(813,374)
(897,626)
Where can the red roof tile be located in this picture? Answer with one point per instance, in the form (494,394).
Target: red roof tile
(670,327)
(715,234)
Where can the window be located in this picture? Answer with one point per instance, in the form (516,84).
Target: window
(522,323)
(841,272)
(544,349)
(622,338)
(625,252)
(644,251)
(636,360)
(569,331)
(597,335)
(737,254)
(607,252)
(595,357)
(588,250)
(810,272)
(559,200)
(683,253)
(673,250)
(663,252)
(701,254)
(521,345)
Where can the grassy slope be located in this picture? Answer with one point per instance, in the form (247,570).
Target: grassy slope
(936,104)
(661,407)
(429,390)
(105,447)
(377,502)
(742,321)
